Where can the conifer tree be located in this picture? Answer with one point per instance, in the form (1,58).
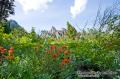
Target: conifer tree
(71,31)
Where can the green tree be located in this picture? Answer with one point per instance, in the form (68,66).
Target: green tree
(33,35)
(6,8)
(6,27)
(71,31)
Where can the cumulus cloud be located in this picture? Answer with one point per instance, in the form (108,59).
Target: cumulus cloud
(28,5)
(78,7)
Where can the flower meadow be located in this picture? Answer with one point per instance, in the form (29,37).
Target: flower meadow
(29,56)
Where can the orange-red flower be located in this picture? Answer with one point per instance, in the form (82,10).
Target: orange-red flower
(3,51)
(66,52)
(11,48)
(1,48)
(65,60)
(9,57)
(10,52)
(60,50)
(48,51)
(64,47)
(54,55)
(53,47)
(63,63)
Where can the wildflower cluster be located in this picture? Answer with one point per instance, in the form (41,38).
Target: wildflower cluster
(59,53)
(6,54)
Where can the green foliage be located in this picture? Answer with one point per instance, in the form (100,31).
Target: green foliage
(1,29)
(71,31)
(33,35)
(1,32)
(6,27)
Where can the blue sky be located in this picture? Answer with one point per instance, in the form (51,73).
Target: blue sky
(43,14)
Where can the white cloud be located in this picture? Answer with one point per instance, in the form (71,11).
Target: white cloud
(34,4)
(78,7)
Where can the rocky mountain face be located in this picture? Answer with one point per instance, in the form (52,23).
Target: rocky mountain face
(12,24)
(53,32)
